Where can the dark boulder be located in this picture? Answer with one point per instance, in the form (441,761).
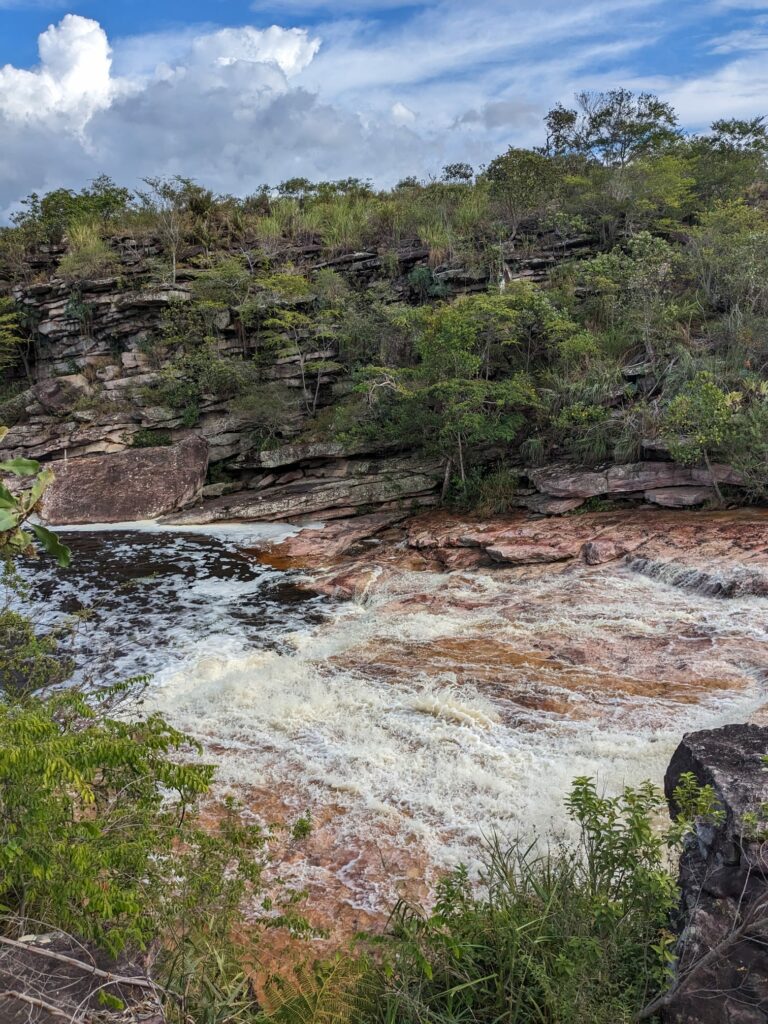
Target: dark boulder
(723,946)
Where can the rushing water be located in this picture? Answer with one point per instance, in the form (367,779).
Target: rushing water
(414,723)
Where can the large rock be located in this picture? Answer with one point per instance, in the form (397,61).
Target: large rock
(724,882)
(680,497)
(331,540)
(632,478)
(312,451)
(60,394)
(128,486)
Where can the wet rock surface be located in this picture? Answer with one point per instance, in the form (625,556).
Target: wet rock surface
(722,972)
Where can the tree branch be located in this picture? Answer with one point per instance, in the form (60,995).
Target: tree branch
(34,1001)
(115,979)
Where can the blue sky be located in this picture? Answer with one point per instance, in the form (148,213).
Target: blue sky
(237,92)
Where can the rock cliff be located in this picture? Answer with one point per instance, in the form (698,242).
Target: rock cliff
(95,365)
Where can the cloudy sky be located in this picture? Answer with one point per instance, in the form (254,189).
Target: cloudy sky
(239,92)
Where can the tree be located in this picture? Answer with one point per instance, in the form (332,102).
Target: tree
(458,398)
(612,127)
(750,135)
(699,422)
(727,254)
(633,291)
(13,344)
(166,200)
(729,160)
(49,217)
(458,173)
(523,181)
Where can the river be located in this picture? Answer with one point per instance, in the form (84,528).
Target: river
(414,722)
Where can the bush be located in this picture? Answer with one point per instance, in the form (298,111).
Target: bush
(487,493)
(147,438)
(193,377)
(567,934)
(88,255)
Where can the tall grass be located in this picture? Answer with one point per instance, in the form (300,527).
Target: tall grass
(571,934)
(88,255)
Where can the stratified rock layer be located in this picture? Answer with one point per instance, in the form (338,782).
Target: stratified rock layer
(724,882)
(132,485)
(324,486)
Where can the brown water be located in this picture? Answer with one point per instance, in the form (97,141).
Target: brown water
(448,705)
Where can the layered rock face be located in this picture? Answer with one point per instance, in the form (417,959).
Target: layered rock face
(97,357)
(656,482)
(307,480)
(132,485)
(722,973)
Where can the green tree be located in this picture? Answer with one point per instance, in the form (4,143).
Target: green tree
(633,291)
(457,397)
(167,201)
(523,182)
(612,127)
(699,421)
(13,344)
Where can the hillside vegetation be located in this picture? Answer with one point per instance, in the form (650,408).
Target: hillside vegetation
(604,294)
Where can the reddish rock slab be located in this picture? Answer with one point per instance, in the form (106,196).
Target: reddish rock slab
(680,497)
(128,486)
(333,539)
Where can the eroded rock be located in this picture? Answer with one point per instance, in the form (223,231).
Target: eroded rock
(132,485)
(724,882)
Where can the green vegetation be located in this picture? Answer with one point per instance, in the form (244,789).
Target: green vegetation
(649,321)
(658,249)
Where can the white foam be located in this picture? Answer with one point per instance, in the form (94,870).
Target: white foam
(245,534)
(439,761)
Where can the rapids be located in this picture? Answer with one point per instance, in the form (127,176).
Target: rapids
(417,720)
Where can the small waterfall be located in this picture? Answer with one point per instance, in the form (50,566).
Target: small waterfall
(730,582)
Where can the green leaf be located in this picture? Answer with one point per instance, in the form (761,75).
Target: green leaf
(7,500)
(52,544)
(8,521)
(20,467)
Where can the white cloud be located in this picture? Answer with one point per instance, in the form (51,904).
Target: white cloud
(336,7)
(291,49)
(358,95)
(402,114)
(73,78)
(223,108)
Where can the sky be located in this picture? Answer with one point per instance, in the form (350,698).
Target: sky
(236,93)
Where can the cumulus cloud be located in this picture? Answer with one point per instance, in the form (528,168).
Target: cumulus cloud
(225,109)
(73,78)
(359,94)
(291,49)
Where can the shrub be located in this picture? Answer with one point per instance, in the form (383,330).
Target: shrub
(564,934)
(192,378)
(487,493)
(148,438)
(87,255)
